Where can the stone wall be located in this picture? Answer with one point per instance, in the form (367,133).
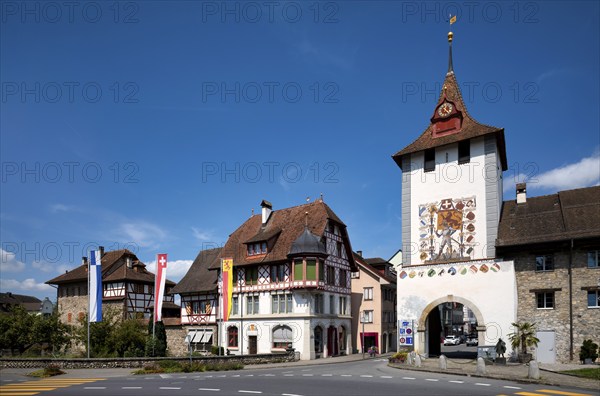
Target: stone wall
(140,362)
(586,321)
(176,345)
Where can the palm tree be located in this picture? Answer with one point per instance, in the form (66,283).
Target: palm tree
(523,337)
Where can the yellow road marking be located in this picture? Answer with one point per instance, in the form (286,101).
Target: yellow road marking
(19,394)
(557,392)
(530,394)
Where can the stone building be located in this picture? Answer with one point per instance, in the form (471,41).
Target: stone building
(291,285)
(373,305)
(554,241)
(127,286)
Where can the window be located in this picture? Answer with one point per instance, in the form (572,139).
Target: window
(69,317)
(311,269)
(355,275)
(281,303)
(343,278)
(593,257)
(232,337)
(339,248)
(545,300)
(282,337)
(196,307)
(429,160)
(464,152)
(330,275)
(544,263)
(593,299)
(318,339)
(238,275)
(368,293)
(367,317)
(251,276)
(298,270)
(343,306)
(319,303)
(235,305)
(331,305)
(278,273)
(252,305)
(257,248)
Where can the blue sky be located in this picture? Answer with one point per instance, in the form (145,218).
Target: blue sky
(159,126)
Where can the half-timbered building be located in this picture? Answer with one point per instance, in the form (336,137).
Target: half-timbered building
(127,285)
(292,284)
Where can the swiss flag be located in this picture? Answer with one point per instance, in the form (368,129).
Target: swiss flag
(159,285)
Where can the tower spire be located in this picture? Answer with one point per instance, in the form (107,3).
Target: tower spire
(450,66)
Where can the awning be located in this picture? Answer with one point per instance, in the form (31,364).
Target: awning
(282,334)
(201,336)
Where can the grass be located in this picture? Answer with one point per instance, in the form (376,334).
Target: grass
(592,373)
(46,372)
(169,366)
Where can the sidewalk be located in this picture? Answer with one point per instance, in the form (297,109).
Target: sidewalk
(549,374)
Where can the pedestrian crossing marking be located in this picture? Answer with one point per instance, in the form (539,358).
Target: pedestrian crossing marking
(30,388)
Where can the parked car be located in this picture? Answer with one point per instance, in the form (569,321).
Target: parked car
(451,340)
(472,341)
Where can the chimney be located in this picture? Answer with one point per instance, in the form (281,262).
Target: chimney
(521,193)
(359,252)
(101,248)
(267,208)
(84,260)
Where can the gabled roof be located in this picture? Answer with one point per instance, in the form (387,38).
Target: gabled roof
(30,303)
(375,271)
(551,218)
(199,279)
(289,224)
(114,269)
(470,128)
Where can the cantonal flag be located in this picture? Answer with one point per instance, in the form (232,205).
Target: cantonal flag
(95,287)
(159,285)
(227,277)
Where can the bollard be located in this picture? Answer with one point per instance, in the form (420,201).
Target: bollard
(534,370)
(480,366)
(417,360)
(443,363)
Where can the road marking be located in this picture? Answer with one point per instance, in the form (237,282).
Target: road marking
(457,382)
(307,375)
(556,392)
(511,387)
(431,379)
(480,384)
(288,375)
(19,394)
(408,378)
(529,394)
(131,387)
(210,389)
(169,388)
(94,387)
(367,376)
(346,375)
(386,376)
(289,394)
(268,375)
(247,391)
(237,375)
(221,376)
(249,375)
(326,375)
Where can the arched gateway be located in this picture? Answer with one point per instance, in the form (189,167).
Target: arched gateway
(451,204)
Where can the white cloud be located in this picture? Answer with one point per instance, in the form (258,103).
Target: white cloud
(56,208)
(51,267)
(142,233)
(9,262)
(175,269)
(585,173)
(28,284)
(202,236)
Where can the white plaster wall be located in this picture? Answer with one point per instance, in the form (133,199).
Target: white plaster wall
(493,294)
(449,180)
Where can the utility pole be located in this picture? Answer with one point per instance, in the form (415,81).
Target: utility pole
(362,342)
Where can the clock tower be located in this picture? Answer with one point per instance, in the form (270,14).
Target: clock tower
(451,183)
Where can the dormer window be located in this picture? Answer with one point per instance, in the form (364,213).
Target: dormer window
(257,248)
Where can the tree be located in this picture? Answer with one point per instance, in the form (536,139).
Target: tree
(523,337)
(101,333)
(16,330)
(128,339)
(50,332)
(156,346)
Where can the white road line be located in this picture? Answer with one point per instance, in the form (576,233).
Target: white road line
(268,375)
(367,376)
(457,382)
(480,384)
(210,389)
(307,370)
(247,391)
(249,375)
(7,380)
(511,387)
(169,388)
(237,375)
(307,375)
(131,387)
(287,372)
(431,379)
(288,375)
(326,375)
(94,387)
(289,394)
(386,376)
(346,375)
(221,376)
(408,378)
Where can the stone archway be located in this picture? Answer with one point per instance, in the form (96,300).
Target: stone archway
(422,321)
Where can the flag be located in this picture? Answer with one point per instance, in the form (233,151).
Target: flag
(95,286)
(227,279)
(159,285)
(453,20)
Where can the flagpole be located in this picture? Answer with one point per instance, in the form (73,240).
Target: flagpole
(89,300)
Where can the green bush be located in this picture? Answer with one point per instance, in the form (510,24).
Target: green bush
(217,350)
(589,350)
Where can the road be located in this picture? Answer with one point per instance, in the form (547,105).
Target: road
(370,377)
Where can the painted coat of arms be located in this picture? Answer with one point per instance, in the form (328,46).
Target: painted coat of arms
(447,229)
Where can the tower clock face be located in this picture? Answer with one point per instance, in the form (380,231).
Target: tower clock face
(445,109)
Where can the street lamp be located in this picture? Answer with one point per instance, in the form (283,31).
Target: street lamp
(362,341)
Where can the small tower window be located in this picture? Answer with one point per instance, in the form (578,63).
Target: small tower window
(464,152)
(429,160)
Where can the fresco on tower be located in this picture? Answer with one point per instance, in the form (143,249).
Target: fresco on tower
(447,230)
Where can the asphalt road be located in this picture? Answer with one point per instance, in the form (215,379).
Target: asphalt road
(371,377)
